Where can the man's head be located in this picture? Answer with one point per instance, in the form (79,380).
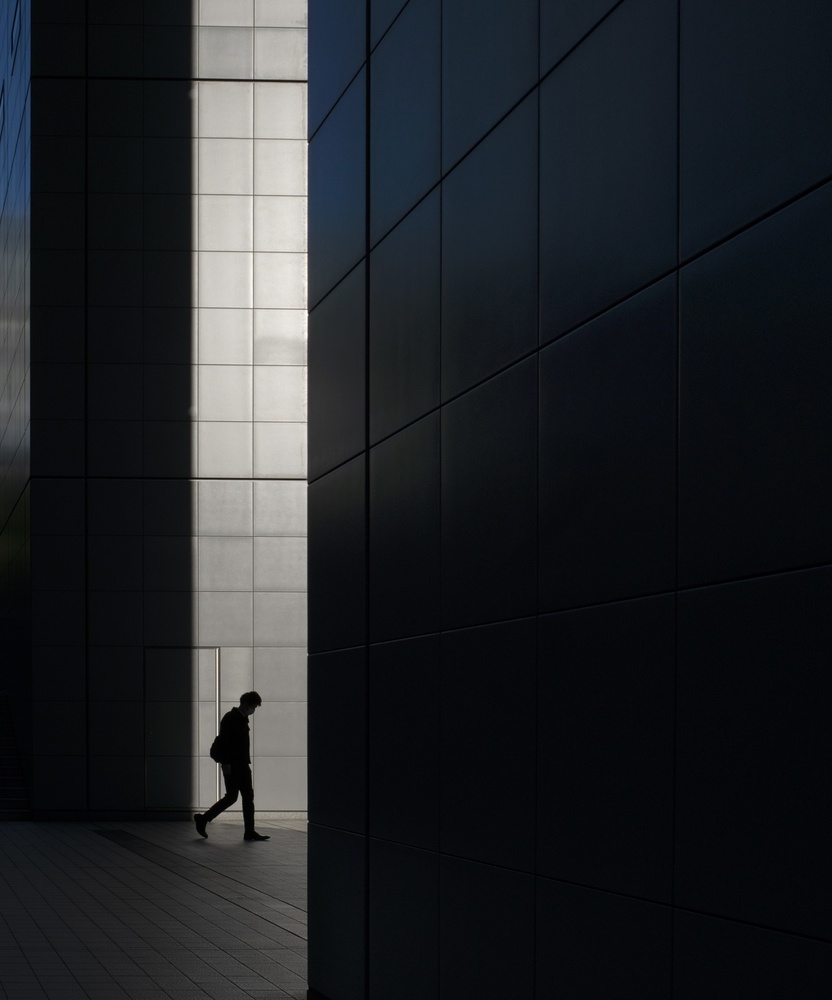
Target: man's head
(249,702)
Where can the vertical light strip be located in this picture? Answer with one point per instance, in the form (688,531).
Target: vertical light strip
(195,303)
(217,688)
(368,568)
(86,293)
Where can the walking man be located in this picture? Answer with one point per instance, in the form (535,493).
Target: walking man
(235,758)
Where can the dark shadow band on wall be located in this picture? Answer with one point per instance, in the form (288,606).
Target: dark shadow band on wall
(112,340)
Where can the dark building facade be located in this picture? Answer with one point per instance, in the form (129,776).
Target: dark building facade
(569,499)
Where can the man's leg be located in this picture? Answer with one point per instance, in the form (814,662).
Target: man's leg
(232,790)
(247,792)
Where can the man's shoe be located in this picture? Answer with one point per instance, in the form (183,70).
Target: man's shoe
(255,836)
(201,822)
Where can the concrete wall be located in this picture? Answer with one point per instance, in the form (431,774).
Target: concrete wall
(168,527)
(569,483)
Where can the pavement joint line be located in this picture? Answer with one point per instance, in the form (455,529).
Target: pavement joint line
(147,850)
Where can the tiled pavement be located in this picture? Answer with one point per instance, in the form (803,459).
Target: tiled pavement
(148,909)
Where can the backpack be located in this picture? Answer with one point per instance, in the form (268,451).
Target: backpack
(217,751)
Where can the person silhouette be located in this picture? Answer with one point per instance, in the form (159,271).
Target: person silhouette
(235,759)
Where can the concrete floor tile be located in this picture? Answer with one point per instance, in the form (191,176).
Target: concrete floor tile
(139,911)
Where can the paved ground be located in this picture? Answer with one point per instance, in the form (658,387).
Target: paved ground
(148,910)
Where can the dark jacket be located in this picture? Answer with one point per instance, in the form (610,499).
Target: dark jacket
(234,731)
